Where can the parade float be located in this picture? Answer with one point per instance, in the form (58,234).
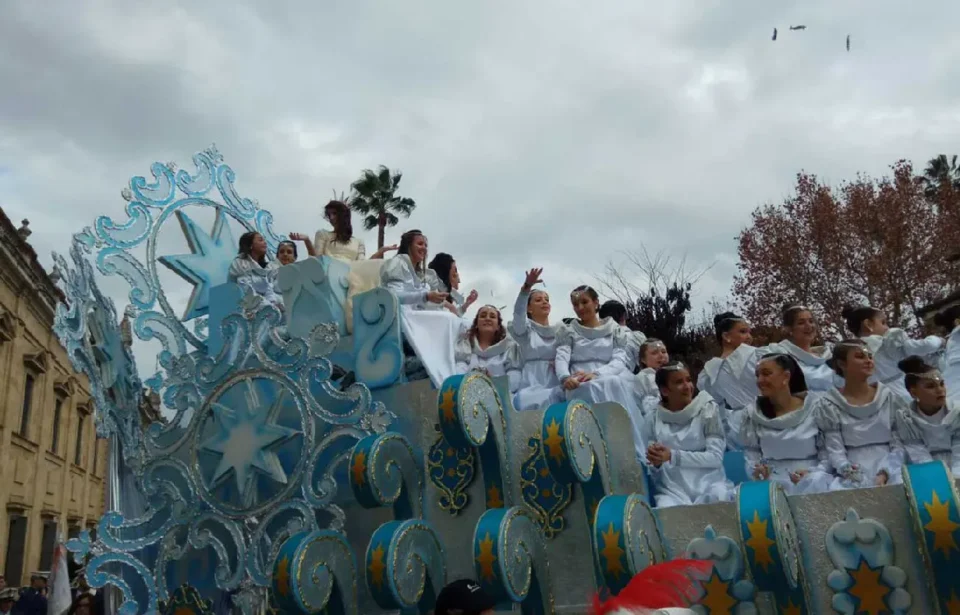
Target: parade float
(272,487)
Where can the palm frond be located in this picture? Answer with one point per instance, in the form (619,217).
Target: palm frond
(390,219)
(383,177)
(403,205)
(370,222)
(360,205)
(396,180)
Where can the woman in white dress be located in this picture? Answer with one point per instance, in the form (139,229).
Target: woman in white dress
(949,321)
(537,342)
(801,329)
(339,243)
(444,276)
(856,422)
(731,378)
(432,333)
(591,357)
(487,348)
(653,355)
(889,346)
(686,443)
(252,270)
(929,427)
(779,430)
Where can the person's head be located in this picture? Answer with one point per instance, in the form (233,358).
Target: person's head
(864,320)
(852,360)
(538,305)
(924,383)
(586,302)
(446,270)
(675,385)
(38,581)
(653,353)
(777,374)
(799,325)
(948,319)
(464,597)
(337,214)
(413,243)
(615,310)
(82,605)
(8,596)
(253,244)
(731,330)
(488,325)
(287,252)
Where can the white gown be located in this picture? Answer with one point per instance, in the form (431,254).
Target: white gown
(539,386)
(500,359)
(891,348)
(633,341)
(950,365)
(926,438)
(819,376)
(786,444)
(601,350)
(732,382)
(432,333)
(645,391)
(694,435)
(860,435)
(246,272)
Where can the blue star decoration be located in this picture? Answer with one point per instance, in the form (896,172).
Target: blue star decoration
(207,264)
(245,441)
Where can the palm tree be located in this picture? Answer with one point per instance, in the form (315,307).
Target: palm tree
(940,170)
(374,197)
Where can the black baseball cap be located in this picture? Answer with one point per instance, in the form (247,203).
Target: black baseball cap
(463,597)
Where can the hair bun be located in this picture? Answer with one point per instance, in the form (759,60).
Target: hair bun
(719,318)
(848,311)
(913,365)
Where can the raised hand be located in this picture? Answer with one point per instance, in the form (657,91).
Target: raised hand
(435,296)
(297,237)
(533,277)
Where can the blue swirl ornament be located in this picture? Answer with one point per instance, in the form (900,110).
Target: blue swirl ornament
(626,539)
(450,470)
(509,553)
(316,572)
(377,343)
(545,496)
(935,512)
(405,566)
(383,471)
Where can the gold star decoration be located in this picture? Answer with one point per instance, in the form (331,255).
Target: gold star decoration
(759,542)
(377,566)
(554,441)
(448,405)
(544,472)
(790,608)
(717,598)
(486,558)
(612,552)
(940,525)
(283,576)
(869,591)
(953,605)
(493,497)
(359,468)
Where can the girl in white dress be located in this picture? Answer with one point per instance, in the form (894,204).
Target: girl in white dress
(444,276)
(686,443)
(930,426)
(339,243)
(779,430)
(731,378)
(801,329)
(537,341)
(889,346)
(432,333)
(488,349)
(591,357)
(252,270)
(856,422)
(949,321)
(653,356)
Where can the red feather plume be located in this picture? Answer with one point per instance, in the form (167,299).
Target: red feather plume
(670,584)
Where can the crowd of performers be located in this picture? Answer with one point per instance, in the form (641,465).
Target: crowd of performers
(813,418)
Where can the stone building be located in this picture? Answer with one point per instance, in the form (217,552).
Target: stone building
(52,465)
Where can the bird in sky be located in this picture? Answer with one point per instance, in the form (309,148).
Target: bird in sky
(774,34)
(848,42)
(798,27)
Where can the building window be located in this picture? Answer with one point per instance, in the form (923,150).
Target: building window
(96,455)
(78,453)
(16,541)
(47,544)
(57,410)
(27,404)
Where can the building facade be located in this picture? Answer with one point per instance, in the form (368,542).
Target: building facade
(52,465)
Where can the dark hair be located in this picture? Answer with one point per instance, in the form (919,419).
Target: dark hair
(662,377)
(723,323)
(342,225)
(246,246)
(406,240)
(287,242)
(613,309)
(78,602)
(948,318)
(854,316)
(798,382)
(790,312)
(841,350)
(583,288)
(650,341)
(913,367)
(442,263)
(501,330)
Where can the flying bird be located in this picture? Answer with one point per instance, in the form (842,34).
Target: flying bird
(798,27)
(848,42)
(774,34)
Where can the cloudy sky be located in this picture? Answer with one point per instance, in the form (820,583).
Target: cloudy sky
(554,134)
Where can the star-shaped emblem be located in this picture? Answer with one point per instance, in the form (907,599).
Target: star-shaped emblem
(245,437)
(208,263)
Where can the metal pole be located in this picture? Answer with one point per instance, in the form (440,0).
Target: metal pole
(111,596)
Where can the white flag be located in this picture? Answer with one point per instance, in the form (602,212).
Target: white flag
(59,598)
